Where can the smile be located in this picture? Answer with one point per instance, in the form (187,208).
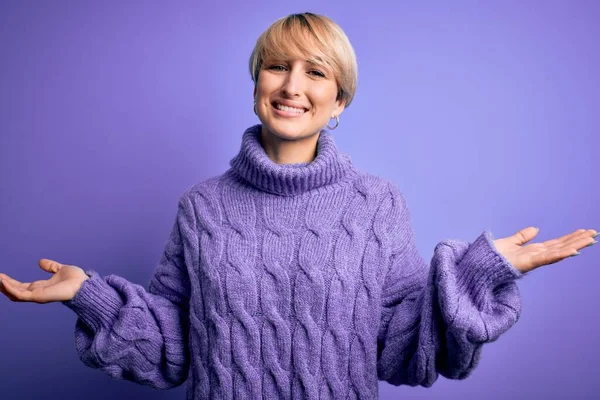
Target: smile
(287,111)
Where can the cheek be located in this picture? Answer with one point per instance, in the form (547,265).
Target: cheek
(262,86)
(261,91)
(324,97)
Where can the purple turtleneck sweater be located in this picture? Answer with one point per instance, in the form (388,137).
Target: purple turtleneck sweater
(297,281)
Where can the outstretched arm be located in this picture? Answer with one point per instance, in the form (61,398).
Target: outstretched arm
(435,318)
(140,335)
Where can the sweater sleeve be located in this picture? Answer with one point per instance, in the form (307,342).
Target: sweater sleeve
(139,335)
(435,318)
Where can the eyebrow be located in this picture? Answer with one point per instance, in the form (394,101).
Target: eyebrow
(307,61)
(272,59)
(320,64)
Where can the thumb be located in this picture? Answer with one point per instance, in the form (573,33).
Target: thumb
(50,265)
(525,235)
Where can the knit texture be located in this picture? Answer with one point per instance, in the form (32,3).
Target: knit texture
(297,281)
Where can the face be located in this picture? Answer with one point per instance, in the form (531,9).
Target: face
(295,99)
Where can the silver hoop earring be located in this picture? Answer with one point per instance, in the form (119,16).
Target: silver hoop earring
(337,122)
(255,108)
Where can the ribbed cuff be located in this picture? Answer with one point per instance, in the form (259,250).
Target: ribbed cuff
(96,302)
(483,268)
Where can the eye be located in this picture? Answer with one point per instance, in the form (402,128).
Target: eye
(277,67)
(318,73)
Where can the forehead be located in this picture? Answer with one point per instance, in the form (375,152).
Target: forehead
(296,44)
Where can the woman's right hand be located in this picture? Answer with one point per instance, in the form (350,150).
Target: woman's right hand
(62,286)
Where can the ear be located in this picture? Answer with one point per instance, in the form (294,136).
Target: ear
(254,93)
(340,105)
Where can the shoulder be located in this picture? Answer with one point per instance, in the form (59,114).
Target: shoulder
(379,187)
(392,216)
(205,190)
(200,201)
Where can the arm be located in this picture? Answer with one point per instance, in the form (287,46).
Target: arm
(436,318)
(140,335)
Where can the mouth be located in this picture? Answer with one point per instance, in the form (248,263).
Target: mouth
(288,111)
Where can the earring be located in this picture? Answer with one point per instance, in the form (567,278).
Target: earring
(255,108)
(337,122)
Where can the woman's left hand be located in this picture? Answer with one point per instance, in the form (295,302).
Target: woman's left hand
(534,255)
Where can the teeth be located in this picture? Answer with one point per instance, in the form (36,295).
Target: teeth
(290,109)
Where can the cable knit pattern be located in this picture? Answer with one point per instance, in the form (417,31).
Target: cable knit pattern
(297,281)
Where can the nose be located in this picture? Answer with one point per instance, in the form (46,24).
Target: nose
(292,85)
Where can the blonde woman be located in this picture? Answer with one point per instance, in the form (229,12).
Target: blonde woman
(293,274)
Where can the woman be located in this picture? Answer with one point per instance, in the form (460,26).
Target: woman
(293,274)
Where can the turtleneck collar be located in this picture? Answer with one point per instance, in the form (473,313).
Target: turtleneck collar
(254,165)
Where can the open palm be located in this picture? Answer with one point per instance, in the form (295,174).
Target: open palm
(534,255)
(62,286)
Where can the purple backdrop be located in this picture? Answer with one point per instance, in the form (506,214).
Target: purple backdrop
(485,115)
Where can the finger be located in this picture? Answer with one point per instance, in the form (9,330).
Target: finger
(14,293)
(581,240)
(6,293)
(561,251)
(568,239)
(25,285)
(526,235)
(7,279)
(580,243)
(38,295)
(50,265)
(15,283)
(552,242)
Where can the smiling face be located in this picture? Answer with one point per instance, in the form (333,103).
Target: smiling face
(305,73)
(295,98)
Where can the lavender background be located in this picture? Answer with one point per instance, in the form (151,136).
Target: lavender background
(485,115)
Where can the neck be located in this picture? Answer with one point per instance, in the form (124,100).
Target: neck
(327,167)
(282,151)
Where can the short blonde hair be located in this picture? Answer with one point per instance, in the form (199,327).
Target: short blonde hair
(315,38)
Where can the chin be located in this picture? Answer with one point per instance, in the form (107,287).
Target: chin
(290,130)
